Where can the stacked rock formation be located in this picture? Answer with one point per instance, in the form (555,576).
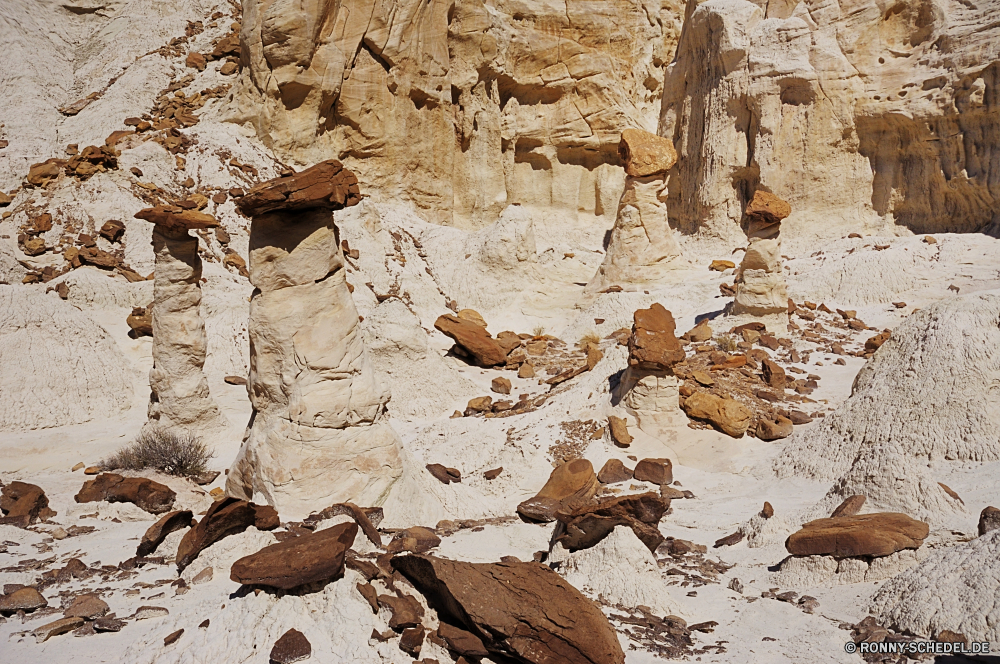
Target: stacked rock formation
(319,432)
(649,388)
(760,284)
(179,394)
(642,245)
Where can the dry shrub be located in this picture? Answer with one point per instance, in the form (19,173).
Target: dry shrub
(172,451)
(587,339)
(726,342)
(539,331)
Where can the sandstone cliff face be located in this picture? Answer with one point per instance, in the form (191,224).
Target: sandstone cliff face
(860,114)
(460,107)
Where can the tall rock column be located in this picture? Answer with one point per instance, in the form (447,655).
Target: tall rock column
(319,432)
(179,390)
(642,245)
(760,284)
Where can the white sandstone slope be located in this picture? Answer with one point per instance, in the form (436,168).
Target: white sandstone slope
(931,392)
(57,366)
(954,589)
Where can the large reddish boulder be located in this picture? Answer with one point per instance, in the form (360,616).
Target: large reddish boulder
(156,533)
(588,525)
(653,346)
(473,339)
(22,504)
(142,492)
(523,611)
(326,185)
(880,534)
(299,561)
(224,518)
(727,415)
(569,486)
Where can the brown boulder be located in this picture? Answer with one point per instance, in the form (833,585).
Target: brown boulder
(874,343)
(55,628)
(176,218)
(87,606)
(645,153)
(196,60)
(34,246)
(45,172)
(406,611)
(500,385)
(97,258)
(158,532)
(293,646)
(774,375)
(520,610)
(657,471)
(569,486)
(461,642)
(619,431)
(444,474)
(875,535)
(24,502)
(305,559)
(700,332)
(764,213)
(225,517)
(25,599)
(727,415)
(474,339)
(614,471)
(989,519)
(141,321)
(721,265)
(776,429)
(326,185)
(367,519)
(588,525)
(849,507)
(415,539)
(142,492)
(653,345)
(112,230)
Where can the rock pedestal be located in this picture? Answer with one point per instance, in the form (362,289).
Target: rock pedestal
(319,432)
(179,394)
(761,293)
(642,245)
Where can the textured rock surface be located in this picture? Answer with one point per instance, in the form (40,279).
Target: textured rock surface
(727,415)
(586,526)
(39,337)
(519,609)
(760,283)
(955,589)
(319,433)
(224,518)
(874,535)
(653,345)
(570,485)
(179,394)
(486,105)
(26,502)
(142,492)
(827,114)
(305,559)
(473,339)
(156,533)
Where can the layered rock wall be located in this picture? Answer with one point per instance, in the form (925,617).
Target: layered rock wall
(461,107)
(861,115)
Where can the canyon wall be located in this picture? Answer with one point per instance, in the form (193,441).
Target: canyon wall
(861,114)
(459,106)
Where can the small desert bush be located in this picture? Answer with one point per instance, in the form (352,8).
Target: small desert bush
(726,342)
(539,331)
(172,451)
(587,339)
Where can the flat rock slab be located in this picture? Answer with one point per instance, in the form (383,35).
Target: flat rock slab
(656,471)
(520,610)
(224,518)
(158,532)
(23,599)
(292,646)
(61,626)
(88,607)
(326,185)
(653,345)
(880,534)
(614,471)
(142,492)
(473,338)
(146,612)
(177,218)
(588,525)
(306,559)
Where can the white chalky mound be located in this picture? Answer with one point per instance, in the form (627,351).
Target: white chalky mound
(931,392)
(954,589)
(56,366)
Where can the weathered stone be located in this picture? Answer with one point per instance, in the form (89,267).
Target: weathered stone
(175,218)
(306,559)
(500,385)
(158,532)
(25,599)
(108,625)
(570,485)
(588,525)
(653,345)
(142,492)
(727,415)
(224,518)
(657,471)
(112,230)
(366,518)
(443,474)
(42,174)
(26,501)
(776,429)
(645,153)
(760,282)
(462,642)
(768,511)
(614,471)
(473,338)
(327,185)
(61,626)
(721,265)
(412,640)
(850,507)
(508,606)
(195,60)
(140,321)
(415,539)
(406,611)
(774,375)
(87,606)
(292,646)
(147,612)
(874,343)
(989,519)
(880,534)
(619,431)
(699,333)
(173,637)
(493,473)
(764,213)
(98,258)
